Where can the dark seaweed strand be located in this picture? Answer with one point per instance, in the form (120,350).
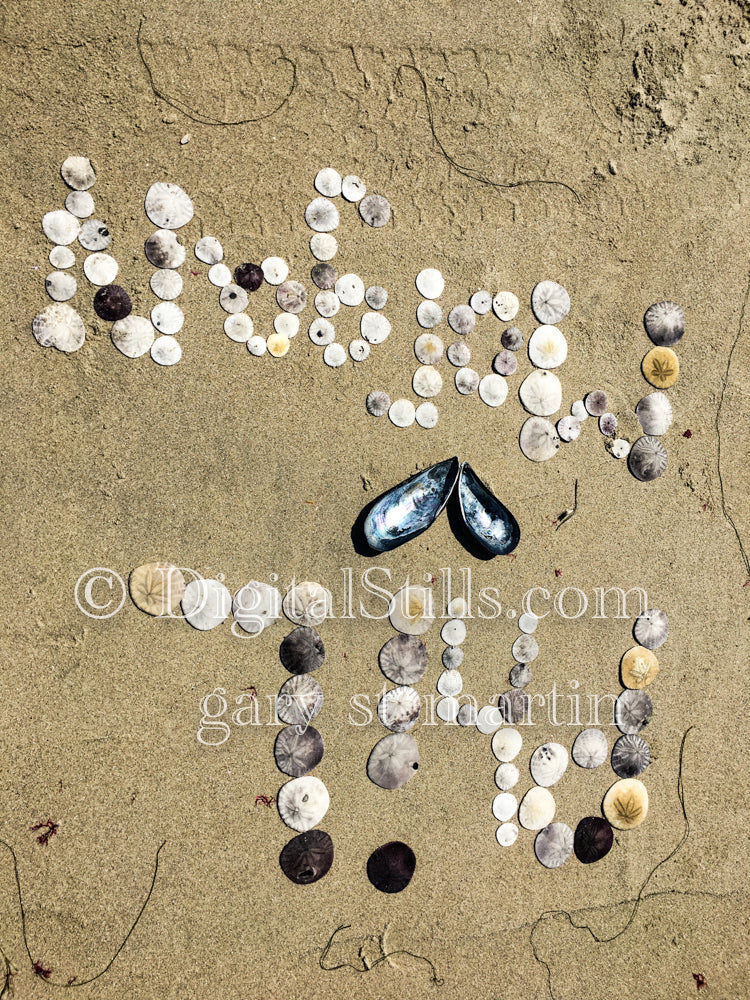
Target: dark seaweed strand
(639,898)
(471,172)
(111,962)
(199,116)
(434,979)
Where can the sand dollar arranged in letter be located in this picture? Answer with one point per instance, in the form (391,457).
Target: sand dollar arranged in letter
(626,804)
(303,802)
(206,604)
(168,206)
(156,588)
(307,603)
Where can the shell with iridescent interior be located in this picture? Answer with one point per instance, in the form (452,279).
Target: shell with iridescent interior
(410,508)
(403,659)
(631,755)
(488,520)
(299,700)
(554,845)
(411,610)
(303,802)
(393,760)
(398,709)
(590,748)
(548,764)
(651,628)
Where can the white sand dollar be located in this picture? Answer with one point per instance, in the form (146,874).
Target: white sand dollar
(548,348)
(219,275)
(428,348)
(80,204)
(78,173)
(426,415)
(467,381)
(166,351)
(453,633)
(430,283)
(528,622)
(538,439)
(376,296)
(287,324)
(323,246)
(256,606)
(590,748)
(459,354)
(507,834)
(505,306)
(427,381)
(481,302)
(374,327)
(399,708)
(548,764)
(328,182)
(537,809)
(209,250)
(457,607)
(493,390)
(307,603)
(62,257)
(350,289)
(239,328)
(506,744)
(167,317)
(568,428)
(489,719)
(168,206)
(94,235)
(506,776)
(327,303)
(359,350)
(447,709)
(461,319)
(233,299)
(550,302)
(525,649)
(579,411)
(322,216)
(303,802)
(163,249)
(429,314)
(321,332)
(133,336)
(411,610)
(334,355)
(402,412)
(541,393)
(619,448)
(206,603)
(59,326)
(166,284)
(257,346)
(450,683)
(100,268)
(504,806)
(61,227)
(60,286)
(353,187)
(275,270)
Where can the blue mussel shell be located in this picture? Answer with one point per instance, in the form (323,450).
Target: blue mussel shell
(410,508)
(491,523)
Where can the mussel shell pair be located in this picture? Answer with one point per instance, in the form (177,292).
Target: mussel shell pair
(411,507)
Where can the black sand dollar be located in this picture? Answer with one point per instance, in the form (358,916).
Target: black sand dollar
(593,839)
(112,303)
(390,868)
(307,858)
(302,651)
(249,276)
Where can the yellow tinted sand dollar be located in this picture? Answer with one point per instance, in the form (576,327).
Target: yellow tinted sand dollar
(156,588)
(638,667)
(626,804)
(277,345)
(661,367)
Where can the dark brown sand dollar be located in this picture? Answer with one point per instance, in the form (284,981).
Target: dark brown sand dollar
(302,651)
(297,752)
(249,276)
(403,659)
(593,839)
(112,303)
(307,858)
(390,868)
